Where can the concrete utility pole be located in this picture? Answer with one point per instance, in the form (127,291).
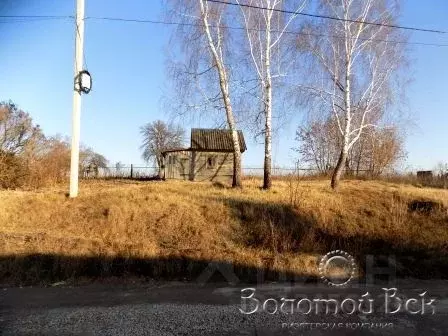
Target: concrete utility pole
(76,116)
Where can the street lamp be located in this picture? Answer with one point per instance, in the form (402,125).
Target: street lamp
(83,82)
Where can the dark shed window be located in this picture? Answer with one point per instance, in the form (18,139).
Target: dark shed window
(211,162)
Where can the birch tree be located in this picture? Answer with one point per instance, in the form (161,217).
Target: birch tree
(354,66)
(217,55)
(203,77)
(264,29)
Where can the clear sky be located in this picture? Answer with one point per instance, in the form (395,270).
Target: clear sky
(127,62)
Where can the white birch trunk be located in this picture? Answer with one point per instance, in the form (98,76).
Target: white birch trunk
(223,84)
(348,116)
(267,180)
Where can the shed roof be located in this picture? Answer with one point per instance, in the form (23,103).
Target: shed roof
(215,139)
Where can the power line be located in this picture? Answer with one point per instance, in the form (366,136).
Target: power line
(369,39)
(329,17)
(260,30)
(232,4)
(37,17)
(27,20)
(33,18)
(139,21)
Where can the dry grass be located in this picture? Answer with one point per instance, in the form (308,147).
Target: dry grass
(115,227)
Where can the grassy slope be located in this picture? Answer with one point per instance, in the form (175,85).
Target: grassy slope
(285,229)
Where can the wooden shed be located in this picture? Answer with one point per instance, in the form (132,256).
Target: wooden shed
(209,157)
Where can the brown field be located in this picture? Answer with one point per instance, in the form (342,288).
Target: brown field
(174,229)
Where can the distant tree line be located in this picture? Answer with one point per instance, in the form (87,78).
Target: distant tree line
(31,159)
(377,150)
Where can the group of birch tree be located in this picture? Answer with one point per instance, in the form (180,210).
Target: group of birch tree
(250,60)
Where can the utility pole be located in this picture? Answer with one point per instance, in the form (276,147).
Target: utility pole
(76,116)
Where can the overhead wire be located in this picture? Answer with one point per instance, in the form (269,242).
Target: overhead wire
(260,30)
(37,17)
(329,17)
(32,18)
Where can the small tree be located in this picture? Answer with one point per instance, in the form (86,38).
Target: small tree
(157,137)
(442,169)
(90,160)
(319,144)
(355,67)
(12,170)
(18,137)
(49,162)
(382,149)
(442,174)
(377,150)
(17,130)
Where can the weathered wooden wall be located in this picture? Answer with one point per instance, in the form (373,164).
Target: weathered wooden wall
(177,165)
(199,166)
(221,169)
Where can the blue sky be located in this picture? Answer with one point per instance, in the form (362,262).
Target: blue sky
(127,62)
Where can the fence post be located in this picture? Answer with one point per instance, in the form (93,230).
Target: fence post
(132,170)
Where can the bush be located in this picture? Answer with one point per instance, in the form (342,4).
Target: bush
(50,165)
(12,171)
(30,159)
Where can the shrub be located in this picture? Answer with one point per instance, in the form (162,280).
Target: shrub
(12,170)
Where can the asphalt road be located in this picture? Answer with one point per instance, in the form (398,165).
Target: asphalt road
(175,308)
